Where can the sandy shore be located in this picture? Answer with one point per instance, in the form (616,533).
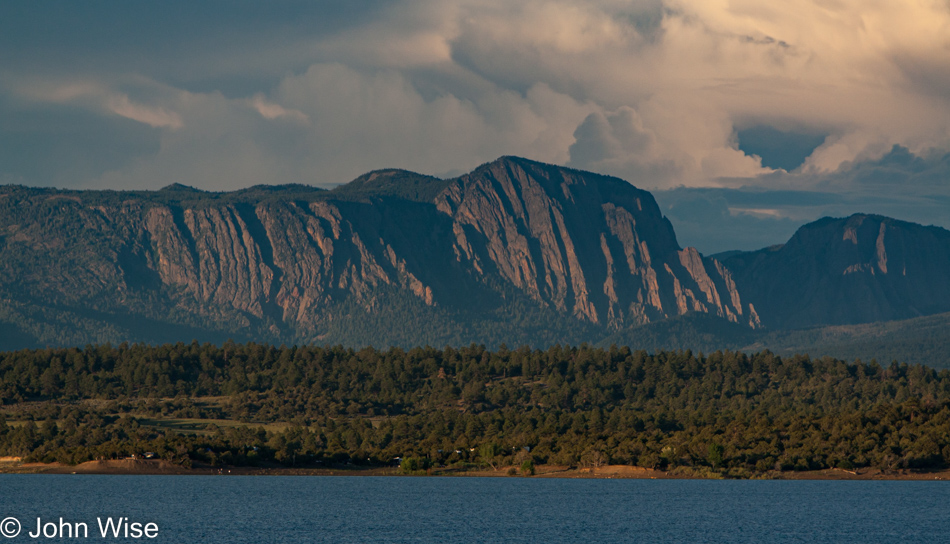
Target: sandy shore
(158,467)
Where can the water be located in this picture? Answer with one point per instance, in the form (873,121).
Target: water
(265,509)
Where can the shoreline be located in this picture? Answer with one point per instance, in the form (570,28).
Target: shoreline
(158,468)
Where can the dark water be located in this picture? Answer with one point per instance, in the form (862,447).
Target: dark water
(366,509)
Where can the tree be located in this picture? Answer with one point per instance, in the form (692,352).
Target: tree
(487,454)
(410,465)
(593,458)
(715,456)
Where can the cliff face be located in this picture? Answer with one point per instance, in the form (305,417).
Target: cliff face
(859,269)
(286,263)
(514,251)
(589,245)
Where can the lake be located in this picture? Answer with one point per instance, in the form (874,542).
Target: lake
(297,509)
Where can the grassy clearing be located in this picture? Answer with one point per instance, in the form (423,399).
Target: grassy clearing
(204,426)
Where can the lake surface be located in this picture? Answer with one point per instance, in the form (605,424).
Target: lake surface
(293,509)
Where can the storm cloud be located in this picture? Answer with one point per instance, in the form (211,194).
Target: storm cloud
(671,95)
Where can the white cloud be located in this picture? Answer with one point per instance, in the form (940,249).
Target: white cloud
(101,97)
(826,65)
(270,110)
(347,122)
(649,90)
(120,104)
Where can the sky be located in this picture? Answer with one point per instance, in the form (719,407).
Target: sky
(746,118)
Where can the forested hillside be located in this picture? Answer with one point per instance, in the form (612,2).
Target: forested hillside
(923,340)
(252,404)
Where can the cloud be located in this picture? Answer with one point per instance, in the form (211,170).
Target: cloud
(120,104)
(101,97)
(269,110)
(655,91)
(709,69)
(759,212)
(715,220)
(617,143)
(332,123)
(605,137)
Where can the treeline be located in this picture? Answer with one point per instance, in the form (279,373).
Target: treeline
(564,405)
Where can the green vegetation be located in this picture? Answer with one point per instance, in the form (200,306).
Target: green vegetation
(84,267)
(400,184)
(922,340)
(304,406)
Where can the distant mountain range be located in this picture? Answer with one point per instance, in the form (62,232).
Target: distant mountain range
(515,252)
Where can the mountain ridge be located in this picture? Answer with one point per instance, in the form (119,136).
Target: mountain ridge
(515,251)
(290,263)
(837,271)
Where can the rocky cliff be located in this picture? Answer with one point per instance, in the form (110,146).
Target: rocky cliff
(859,269)
(524,245)
(592,246)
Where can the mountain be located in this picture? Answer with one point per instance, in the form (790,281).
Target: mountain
(515,251)
(589,245)
(860,269)
(920,340)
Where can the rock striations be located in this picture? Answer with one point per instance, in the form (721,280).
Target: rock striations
(293,263)
(859,269)
(516,251)
(593,246)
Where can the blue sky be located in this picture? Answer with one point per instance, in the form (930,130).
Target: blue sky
(746,118)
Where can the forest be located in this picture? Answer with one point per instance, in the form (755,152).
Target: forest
(251,404)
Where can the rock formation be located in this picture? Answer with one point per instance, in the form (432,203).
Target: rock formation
(859,269)
(284,263)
